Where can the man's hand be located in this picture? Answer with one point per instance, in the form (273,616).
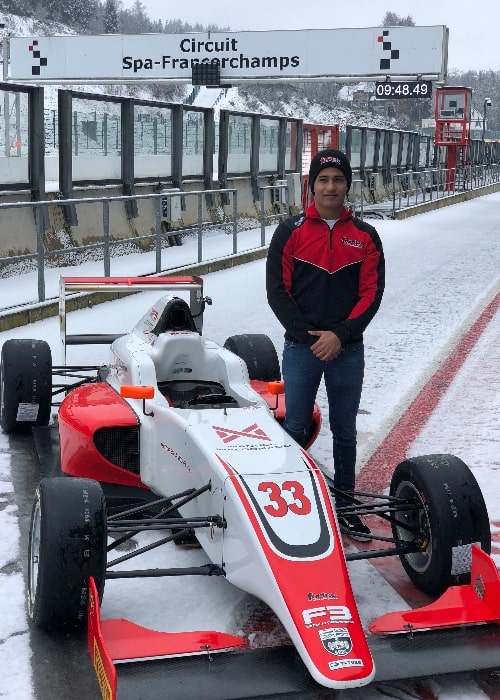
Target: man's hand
(327,347)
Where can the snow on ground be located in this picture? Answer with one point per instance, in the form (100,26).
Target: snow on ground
(442,270)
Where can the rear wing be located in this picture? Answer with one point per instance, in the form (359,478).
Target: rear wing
(124,285)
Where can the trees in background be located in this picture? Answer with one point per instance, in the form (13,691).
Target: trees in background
(110,19)
(391,19)
(484,83)
(100,16)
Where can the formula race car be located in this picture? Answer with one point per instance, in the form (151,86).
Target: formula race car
(178,439)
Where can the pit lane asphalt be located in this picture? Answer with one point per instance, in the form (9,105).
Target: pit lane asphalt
(62,669)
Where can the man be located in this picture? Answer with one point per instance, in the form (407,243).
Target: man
(325,280)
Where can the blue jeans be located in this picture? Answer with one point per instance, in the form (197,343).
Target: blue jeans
(302,373)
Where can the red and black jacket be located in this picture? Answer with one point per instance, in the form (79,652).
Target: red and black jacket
(322,279)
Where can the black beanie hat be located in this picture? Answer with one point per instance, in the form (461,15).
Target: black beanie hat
(329,158)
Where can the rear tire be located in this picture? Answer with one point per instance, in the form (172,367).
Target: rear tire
(259,354)
(452,515)
(67,545)
(25,385)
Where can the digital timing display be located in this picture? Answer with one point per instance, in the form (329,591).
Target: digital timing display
(397,89)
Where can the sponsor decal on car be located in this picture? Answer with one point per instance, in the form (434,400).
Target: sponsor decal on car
(27,412)
(100,671)
(326,615)
(175,455)
(253,431)
(345,663)
(105,685)
(336,640)
(324,595)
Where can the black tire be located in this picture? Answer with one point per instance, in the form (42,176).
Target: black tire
(259,354)
(451,515)
(25,385)
(67,545)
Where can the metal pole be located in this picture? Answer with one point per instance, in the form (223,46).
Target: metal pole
(235,224)
(157,206)
(200,230)
(5,54)
(262,220)
(393,196)
(105,227)
(6,110)
(484,120)
(487,103)
(75,131)
(40,252)
(18,141)
(105,134)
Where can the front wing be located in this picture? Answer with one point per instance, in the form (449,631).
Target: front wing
(461,634)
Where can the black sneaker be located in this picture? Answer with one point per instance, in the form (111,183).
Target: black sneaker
(353,526)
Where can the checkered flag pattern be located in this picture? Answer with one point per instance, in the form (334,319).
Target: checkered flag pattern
(393,54)
(38,60)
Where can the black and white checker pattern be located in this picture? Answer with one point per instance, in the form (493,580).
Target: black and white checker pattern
(38,60)
(391,55)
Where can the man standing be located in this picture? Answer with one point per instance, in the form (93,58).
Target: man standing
(325,280)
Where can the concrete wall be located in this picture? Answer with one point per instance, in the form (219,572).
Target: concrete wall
(17,226)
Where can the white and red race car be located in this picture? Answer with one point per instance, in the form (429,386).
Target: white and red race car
(181,437)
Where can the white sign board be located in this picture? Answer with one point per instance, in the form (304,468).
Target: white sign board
(372,52)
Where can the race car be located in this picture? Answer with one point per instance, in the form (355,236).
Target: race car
(180,437)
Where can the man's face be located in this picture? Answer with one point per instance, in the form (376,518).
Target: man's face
(330,189)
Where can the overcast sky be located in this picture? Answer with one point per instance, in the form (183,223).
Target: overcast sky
(473,42)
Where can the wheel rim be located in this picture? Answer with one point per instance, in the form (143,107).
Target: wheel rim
(34,554)
(416,519)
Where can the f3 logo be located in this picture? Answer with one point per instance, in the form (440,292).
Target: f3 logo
(326,615)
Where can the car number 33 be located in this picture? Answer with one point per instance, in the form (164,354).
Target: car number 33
(289,507)
(278,496)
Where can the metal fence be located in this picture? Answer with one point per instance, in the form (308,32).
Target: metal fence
(408,189)
(412,188)
(160,238)
(279,195)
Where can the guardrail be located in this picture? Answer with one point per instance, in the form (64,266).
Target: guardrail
(159,236)
(279,195)
(416,187)
(408,189)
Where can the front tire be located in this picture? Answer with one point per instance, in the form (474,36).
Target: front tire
(449,516)
(25,385)
(259,354)
(67,545)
